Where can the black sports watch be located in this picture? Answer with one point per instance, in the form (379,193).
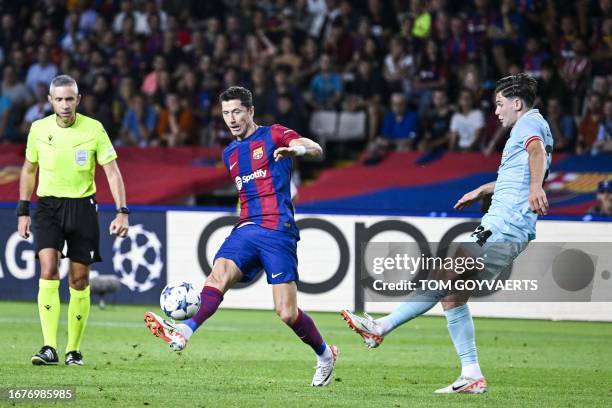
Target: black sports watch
(123,210)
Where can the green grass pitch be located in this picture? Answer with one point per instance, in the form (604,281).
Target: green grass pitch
(250,358)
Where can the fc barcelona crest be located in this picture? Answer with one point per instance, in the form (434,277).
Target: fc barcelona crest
(258,153)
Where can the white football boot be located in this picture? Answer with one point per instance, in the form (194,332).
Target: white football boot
(325,371)
(465,385)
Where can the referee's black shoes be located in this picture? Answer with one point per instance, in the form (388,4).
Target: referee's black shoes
(74,358)
(46,356)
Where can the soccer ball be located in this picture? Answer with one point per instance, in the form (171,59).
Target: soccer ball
(180,300)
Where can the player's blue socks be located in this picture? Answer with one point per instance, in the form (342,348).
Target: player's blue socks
(210,299)
(418,302)
(461,330)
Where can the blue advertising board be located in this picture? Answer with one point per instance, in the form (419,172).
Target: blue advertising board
(138,261)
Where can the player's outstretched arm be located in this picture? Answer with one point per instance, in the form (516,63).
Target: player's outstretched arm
(119,226)
(299,147)
(27,180)
(474,195)
(537,168)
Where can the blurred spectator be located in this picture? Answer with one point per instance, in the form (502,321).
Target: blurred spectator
(175,127)
(564,46)
(14,89)
(398,67)
(601,48)
(41,71)
(309,64)
(466,124)
(604,135)
(441,28)
(88,16)
(534,57)
(479,19)
(326,87)
(8,34)
(460,46)
(234,34)
(288,57)
(552,86)
(262,96)
(18,60)
(5,118)
(122,98)
(506,35)
(282,85)
(71,35)
(431,74)
(589,124)
(91,107)
(151,81)
(38,110)
(604,199)
(400,124)
(399,131)
(164,87)
(288,116)
(128,11)
(368,90)
(422,19)
(383,19)
(575,71)
(339,44)
(436,135)
(139,123)
(562,126)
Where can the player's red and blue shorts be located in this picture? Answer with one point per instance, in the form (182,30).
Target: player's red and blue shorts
(253,247)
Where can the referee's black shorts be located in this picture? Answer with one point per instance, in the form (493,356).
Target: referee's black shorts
(71,220)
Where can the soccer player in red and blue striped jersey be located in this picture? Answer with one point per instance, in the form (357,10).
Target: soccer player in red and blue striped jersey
(266,235)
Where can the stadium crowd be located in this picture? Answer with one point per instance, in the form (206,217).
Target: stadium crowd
(422,72)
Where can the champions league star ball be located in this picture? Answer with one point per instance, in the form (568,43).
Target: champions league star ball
(179,301)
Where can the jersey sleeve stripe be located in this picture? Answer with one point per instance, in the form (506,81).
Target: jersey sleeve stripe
(531,139)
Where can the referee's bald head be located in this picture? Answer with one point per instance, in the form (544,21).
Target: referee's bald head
(63,80)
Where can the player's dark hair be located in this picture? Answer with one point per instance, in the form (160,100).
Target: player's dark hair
(237,92)
(521,86)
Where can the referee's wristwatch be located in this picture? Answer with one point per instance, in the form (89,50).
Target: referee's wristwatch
(123,210)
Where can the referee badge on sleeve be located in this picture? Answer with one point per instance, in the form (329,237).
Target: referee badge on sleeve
(81,156)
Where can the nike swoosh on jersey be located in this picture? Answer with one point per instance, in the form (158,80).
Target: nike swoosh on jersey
(276,275)
(232,165)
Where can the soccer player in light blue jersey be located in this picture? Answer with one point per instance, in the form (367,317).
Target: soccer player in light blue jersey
(518,199)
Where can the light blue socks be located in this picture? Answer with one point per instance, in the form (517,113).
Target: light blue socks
(461,330)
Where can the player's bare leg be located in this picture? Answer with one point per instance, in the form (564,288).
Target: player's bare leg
(224,275)
(285,304)
(48,306)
